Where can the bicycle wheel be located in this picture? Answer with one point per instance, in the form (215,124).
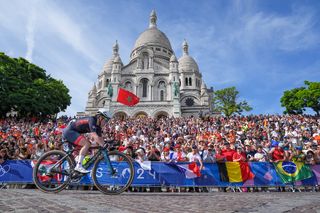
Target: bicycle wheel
(117,182)
(51,172)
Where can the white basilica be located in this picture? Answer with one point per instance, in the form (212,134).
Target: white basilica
(166,86)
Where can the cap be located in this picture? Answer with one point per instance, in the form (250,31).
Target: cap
(299,148)
(177,146)
(166,149)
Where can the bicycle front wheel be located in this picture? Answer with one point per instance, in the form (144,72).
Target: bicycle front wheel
(116,181)
(52,172)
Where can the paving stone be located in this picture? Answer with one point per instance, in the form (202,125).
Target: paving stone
(29,200)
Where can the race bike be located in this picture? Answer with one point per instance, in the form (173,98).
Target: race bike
(112,172)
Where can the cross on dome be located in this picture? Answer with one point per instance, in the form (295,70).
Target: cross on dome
(116,48)
(153,19)
(185,47)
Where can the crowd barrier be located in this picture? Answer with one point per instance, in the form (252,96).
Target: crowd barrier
(169,174)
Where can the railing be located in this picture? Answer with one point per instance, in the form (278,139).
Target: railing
(156,174)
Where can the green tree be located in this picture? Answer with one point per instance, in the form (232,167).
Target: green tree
(293,102)
(225,101)
(312,96)
(25,88)
(298,99)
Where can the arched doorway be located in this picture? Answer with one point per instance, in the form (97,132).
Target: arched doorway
(141,115)
(120,115)
(161,114)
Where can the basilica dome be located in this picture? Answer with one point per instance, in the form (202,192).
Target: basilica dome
(186,62)
(154,37)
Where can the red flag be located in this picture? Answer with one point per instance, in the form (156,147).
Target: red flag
(127,98)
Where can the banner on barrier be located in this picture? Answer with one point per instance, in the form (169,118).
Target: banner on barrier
(182,174)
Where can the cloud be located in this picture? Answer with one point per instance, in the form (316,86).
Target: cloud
(30,34)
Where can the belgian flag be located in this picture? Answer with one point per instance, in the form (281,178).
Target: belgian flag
(235,172)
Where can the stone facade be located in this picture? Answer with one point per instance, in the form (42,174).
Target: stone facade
(166,86)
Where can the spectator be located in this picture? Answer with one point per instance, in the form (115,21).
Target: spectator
(194,156)
(209,156)
(239,156)
(154,154)
(165,157)
(220,158)
(260,155)
(298,155)
(310,157)
(179,155)
(227,152)
(3,155)
(276,152)
(141,155)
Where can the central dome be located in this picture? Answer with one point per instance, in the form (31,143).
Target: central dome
(153,36)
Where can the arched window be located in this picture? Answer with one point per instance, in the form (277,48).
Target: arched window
(144,87)
(107,82)
(128,86)
(161,89)
(145,62)
(187,82)
(190,82)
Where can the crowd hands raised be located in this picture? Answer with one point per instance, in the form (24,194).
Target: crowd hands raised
(22,139)
(261,138)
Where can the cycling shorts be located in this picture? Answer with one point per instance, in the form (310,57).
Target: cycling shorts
(72,136)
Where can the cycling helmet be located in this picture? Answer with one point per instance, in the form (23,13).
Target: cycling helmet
(107,115)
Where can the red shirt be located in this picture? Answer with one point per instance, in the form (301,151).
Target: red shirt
(228,154)
(277,154)
(220,157)
(237,156)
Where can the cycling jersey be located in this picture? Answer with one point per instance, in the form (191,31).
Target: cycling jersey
(85,125)
(75,128)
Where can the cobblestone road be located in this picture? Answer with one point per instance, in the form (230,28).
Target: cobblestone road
(29,200)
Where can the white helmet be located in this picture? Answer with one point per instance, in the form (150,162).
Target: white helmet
(107,115)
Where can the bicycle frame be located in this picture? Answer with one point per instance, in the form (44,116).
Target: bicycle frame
(102,151)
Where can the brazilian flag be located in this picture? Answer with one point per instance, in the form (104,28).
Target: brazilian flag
(293,171)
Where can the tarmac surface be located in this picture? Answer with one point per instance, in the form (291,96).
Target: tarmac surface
(31,200)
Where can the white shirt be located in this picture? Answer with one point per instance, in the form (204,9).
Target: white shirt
(261,157)
(193,157)
(176,155)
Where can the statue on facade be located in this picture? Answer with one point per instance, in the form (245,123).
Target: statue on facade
(110,91)
(176,89)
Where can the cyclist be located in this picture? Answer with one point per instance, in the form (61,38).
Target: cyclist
(77,127)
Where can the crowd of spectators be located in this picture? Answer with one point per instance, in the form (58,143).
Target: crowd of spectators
(29,138)
(211,139)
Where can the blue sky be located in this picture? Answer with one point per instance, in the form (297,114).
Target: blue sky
(260,47)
